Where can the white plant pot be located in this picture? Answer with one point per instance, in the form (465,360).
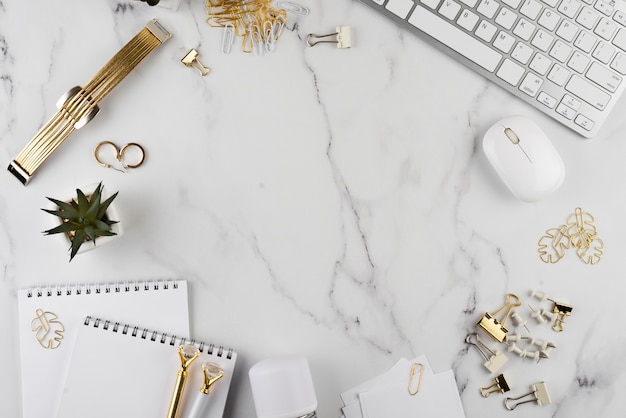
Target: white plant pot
(111,212)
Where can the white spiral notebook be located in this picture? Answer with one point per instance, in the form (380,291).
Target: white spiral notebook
(122,370)
(50,317)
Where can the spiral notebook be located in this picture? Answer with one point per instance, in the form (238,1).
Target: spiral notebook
(122,370)
(50,317)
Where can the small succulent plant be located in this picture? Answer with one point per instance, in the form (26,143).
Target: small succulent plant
(83,218)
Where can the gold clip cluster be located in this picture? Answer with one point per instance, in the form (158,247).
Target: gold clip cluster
(259,24)
(580,233)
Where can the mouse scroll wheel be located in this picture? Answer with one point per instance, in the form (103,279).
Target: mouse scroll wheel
(511,135)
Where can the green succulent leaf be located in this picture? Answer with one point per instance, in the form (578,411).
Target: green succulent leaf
(84,217)
(64,228)
(63,206)
(79,239)
(105,205)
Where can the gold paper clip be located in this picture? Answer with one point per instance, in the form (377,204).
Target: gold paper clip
(495,360)
(561,310)
(412,391)
(490,323)
(499,385)
(343,38)
(539,393)
(191,60)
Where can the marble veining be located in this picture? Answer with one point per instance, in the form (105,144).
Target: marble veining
(331,203)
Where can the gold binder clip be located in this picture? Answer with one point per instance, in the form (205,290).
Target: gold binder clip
(494,360)
(490,323)
(414,392)
(191,60)
(539,393)
(499,385)
(343,38)
(561,310)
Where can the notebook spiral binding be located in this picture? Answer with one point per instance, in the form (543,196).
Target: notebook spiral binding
(97,288)
(162,338)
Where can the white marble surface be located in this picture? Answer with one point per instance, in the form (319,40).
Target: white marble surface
(329,203)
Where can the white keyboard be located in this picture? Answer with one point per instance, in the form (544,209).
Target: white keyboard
(567,58)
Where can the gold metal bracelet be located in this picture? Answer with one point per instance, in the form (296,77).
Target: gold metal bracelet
(80,104)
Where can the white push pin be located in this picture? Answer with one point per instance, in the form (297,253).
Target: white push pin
(537,315)
(539,393)
(519,321)
(538,295)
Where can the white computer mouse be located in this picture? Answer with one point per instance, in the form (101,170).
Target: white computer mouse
(524,157)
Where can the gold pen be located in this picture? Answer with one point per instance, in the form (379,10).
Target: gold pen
(187,353)
(212,373)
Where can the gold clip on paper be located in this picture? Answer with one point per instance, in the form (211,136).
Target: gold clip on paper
(191,60)
(561,310)
(187,353)
(343,38)
(553,245)
(80,104)
(539,394)
(414,391)
(490,323)
(499,385)
(494,359)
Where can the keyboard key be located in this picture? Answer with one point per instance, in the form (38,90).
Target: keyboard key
(567,30)
(542,40)
(578,62)
(565,111)
(619,63)
(620,39)
(569,8)
(513,4)
(603,77)
(488,8)
(587,18)
(504,42)
(605,29)
(604,7)
(400,8)
(549,19)
(455,38)
(524,29)
(449,9)
(510,72)
(585,41)
(572,102)
(560,51)
(531,9)
(558,75)
(506,18)
(603,52)
(531,84)
(433,4)
(584,122)
(541,64)
(551,3)
(486,31)
(470,3)
(522,53)
(588,92)
(468,20)
(620,17)
(546,100)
